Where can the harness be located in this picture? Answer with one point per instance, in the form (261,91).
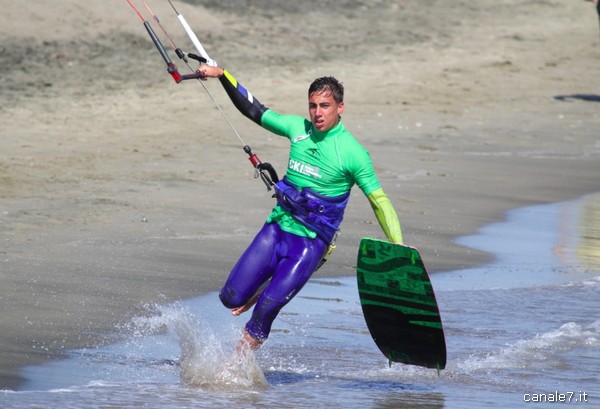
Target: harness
(322,214)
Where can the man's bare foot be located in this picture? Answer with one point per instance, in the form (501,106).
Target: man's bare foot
(240,310)
(247,342)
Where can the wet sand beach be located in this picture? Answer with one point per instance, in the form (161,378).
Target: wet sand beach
(120,188)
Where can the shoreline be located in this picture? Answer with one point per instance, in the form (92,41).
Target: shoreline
(116,188)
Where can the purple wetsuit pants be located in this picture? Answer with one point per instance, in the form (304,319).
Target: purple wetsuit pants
(286,259)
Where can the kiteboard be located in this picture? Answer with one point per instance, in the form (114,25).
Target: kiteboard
(399,304)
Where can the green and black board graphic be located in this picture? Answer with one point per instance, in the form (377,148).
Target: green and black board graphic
(399,304)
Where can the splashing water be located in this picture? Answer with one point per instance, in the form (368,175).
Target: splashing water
(204,362)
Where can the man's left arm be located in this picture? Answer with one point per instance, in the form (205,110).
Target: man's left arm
(386,215)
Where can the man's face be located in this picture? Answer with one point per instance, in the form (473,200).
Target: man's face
(324,111)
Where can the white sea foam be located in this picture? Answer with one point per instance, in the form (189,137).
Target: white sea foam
(538,350)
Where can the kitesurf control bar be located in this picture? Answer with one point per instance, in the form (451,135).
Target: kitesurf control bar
(265,170)
(193,37)
(171,67)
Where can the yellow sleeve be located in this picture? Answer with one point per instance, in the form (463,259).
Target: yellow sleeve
(386,216)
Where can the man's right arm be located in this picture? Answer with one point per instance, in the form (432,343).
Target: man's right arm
(243,100)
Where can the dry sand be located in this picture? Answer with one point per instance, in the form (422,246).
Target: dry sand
(119,188)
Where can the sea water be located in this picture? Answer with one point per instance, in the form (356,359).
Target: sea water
(523,331)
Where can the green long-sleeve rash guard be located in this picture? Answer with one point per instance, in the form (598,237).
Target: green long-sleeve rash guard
(330,163)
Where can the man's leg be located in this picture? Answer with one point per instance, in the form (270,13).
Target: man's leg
(240,310)
(298,259)
(252,270)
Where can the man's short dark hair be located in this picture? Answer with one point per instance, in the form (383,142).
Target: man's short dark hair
(328,84)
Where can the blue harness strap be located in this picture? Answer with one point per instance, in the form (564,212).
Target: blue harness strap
(322,214)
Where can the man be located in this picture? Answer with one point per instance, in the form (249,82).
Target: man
(325,161)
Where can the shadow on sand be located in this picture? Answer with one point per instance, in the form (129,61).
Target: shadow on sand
(582,97)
